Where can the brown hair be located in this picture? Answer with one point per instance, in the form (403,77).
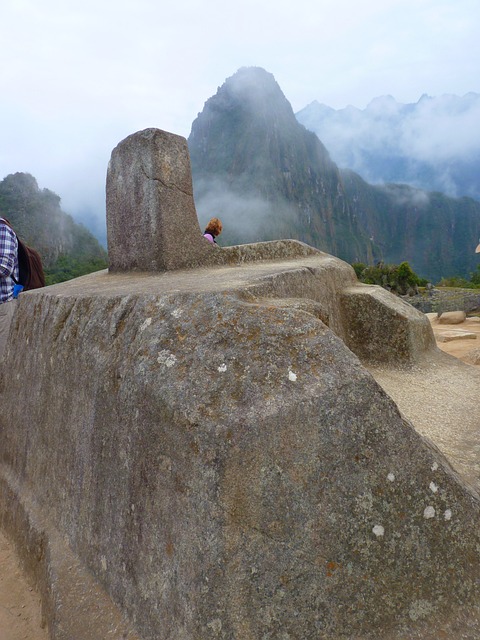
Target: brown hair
(214,227)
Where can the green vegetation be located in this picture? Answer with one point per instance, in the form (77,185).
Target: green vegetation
(397,278)
(66,268)
(463,283)
(402,279)
(475,277)
(455,282)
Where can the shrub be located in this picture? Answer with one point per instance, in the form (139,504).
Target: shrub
(455,282)
(475,277)
(398,278)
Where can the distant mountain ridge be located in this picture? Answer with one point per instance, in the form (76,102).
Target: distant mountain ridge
(266,176)
(433,144)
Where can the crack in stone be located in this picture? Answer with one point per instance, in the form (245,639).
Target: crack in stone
(164,184)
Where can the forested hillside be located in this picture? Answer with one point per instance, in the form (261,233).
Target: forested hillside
(67,248)
(436,234)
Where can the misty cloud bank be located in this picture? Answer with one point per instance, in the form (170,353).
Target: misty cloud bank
(215,198)
(433,144)
(246,215)
(401,196)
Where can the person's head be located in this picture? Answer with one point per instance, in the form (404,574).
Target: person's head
(214,227)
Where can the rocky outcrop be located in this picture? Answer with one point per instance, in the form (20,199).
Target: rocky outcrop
(215,454)
(452,317)
(448,336)
(227,467)
(474,356)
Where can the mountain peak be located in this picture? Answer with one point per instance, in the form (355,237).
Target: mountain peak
(248,79)
(316,108)
(253,88)
(267,175)
(384,106)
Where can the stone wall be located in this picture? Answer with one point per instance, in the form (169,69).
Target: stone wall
(440,300)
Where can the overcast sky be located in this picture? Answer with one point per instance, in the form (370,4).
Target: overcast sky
(78,76)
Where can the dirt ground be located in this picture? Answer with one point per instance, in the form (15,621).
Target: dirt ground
(461,347)
(20,617)
(439,396)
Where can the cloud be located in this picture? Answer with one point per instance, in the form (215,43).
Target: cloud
(401,196)
(243,216)
(78,77)
(442,128)
(433,143)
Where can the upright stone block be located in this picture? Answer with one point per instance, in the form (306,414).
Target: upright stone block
(152,223)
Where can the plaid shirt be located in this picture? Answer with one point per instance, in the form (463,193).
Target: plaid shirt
(8,261)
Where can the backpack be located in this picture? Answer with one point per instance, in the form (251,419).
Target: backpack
(30,266)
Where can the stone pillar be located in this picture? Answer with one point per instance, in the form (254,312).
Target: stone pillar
(152,223)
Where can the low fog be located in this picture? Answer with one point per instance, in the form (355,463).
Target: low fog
(245,217)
